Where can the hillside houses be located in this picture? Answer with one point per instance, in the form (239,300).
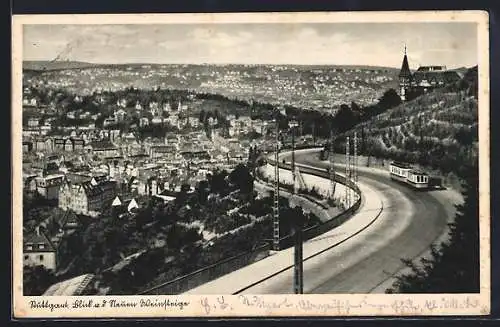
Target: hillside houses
(41,245)
(38,250)
(88,198)
(103,149)
(49,186)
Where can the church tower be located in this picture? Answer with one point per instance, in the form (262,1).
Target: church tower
(404,78)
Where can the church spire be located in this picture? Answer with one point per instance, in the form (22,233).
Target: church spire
(405,67)
(404,77)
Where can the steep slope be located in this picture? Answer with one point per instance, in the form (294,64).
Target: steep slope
(436,130)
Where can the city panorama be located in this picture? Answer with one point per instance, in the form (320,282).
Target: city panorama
(250,158)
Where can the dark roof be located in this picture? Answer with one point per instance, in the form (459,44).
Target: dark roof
(51,166)
(66,217)
(440,77)
(77,178)
(94,190)
(38,239)
(163,148)
(90,189)
(107,185)
(78,141)
(102,145)
(99,178)
(405,68)
(430,68)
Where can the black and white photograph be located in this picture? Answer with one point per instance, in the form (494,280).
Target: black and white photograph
(203,157)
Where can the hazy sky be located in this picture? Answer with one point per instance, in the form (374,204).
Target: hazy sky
(380,44)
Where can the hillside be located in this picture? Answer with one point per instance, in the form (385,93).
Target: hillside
(432,131)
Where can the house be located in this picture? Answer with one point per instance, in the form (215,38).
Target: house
(59,143)
(424,79)
(78,144)
(173,120)
(76,178)
(120,205)
(132,205)
(194,121)
(30,182)
(60,224)
(165,197)
(33,122)
(71,115)
(38,250)
(166,107)
(154,109)
(27,146)
(43,144)
(157,120)
(49,186)
(143,121)
(122,103)
(103,149)
(50,168)
(120,115)
(138,106)
(87,198)
(160,151)
(68,145)
(109,121)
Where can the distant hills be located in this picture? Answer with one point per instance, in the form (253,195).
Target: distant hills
(45,65)
(56,65)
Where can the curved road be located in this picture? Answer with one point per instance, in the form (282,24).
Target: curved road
(410,223)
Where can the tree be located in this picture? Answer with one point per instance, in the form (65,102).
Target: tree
(202,190)
(36,280)
(242,178)
(344,119)
(389,99)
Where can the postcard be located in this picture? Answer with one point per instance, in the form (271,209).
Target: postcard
(251,165)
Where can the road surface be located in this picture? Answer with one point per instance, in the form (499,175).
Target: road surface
(368,263)
(360,256)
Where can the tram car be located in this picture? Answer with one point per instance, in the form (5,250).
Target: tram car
(417,179)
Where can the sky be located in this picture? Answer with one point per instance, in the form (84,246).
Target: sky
(375,44)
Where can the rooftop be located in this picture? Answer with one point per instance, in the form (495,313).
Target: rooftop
(70,287)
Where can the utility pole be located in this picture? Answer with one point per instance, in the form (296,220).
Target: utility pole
(292,126)
(298,280)
(332,166)
(347,174)
(314,132)
(355,161)
(276,207)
